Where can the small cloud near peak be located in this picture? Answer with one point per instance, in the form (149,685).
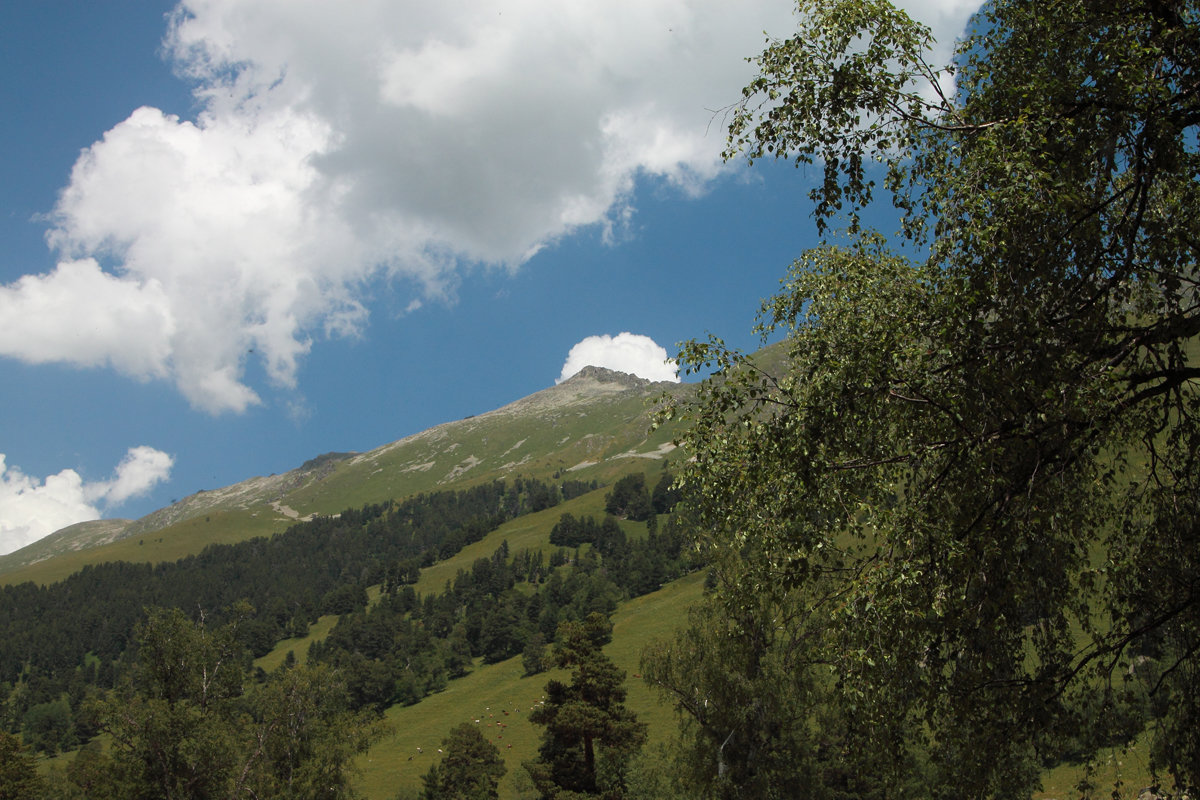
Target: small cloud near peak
(626,352)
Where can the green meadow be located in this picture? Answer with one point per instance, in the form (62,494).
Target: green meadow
(500,698)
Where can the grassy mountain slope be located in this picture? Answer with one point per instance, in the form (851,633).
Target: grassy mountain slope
(592,426)
(169,544)
(404,756)
(68,540)
(489,692)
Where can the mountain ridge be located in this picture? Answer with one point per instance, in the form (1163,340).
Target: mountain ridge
(573,427)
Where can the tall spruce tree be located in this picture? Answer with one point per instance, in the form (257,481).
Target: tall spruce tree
(590,735)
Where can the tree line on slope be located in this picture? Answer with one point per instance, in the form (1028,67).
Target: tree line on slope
(60,643)
(190,721)
(189,717)
(404,646)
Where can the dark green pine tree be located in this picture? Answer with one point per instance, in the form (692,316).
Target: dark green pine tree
(629,498)
(471,769)
(590,735)
(665,494)
(19,778)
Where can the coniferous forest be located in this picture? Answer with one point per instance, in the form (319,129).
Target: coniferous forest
(117,636)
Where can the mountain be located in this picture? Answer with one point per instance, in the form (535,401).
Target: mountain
(588,427)
(73,538)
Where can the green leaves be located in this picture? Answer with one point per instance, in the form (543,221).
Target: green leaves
(843,91)
(965,486)
(189,726)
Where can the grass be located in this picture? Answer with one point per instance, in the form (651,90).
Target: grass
(534,443)
(299,646)
(1119,773)
(169,544)
(487,693)
(528,532)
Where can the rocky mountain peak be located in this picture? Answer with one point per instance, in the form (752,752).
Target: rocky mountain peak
(606,375)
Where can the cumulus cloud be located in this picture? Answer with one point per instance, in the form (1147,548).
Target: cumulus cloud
(141,469)
(81,315)
(32,508)
(336,142)
(626,352)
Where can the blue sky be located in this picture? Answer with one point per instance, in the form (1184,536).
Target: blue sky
(237,235)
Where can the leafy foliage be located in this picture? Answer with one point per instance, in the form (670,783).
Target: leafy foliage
(188,725)
(964,514)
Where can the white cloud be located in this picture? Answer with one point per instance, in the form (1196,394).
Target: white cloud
(31,508)
(626,352)
(141,469)
(84,316)
(337,141)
